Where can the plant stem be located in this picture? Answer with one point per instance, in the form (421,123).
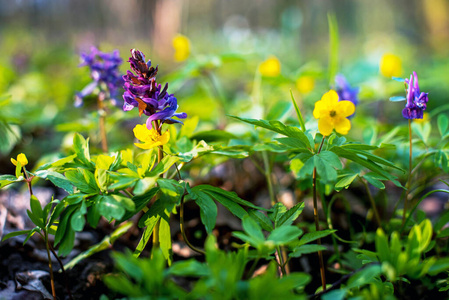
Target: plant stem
(373,204)
(102,122)
(63,271)
(409,173)
(52,279)
(182,227)
(160,156)
(317,225)
(281,261)
(267,174)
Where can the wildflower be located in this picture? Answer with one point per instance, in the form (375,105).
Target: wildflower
(104,71)
(305,84)
(345,91)
(270,67)
(332,114)
(21,158)
(416,101)
(181,44)
(390,65)
(142,91)
(150,137)
(425,119)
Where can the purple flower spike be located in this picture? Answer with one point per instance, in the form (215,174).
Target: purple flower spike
(142,91)
(416,101)
(104,72)
(345,91)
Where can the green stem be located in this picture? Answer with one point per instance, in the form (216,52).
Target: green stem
(404,214)
(52,279)
(373,203)
(281,261)
(317,225)
(267,174)
(63,271)
(102,123)
(160,156)
(182,227)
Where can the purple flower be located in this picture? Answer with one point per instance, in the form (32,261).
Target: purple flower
(345,91)
(142,91)
(104,71)
(416,101)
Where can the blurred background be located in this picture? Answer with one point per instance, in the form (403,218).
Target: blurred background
(225,44)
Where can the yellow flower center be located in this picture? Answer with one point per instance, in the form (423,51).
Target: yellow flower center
(332,113)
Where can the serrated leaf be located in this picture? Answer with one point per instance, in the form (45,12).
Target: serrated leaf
(285,234)
(81,148)
(253,230)
(345,181)
(148,231)
(290,215)
(262,219)
(306,249)
(312,236)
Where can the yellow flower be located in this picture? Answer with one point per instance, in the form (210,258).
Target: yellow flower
(150,137)
(425,119)
(21,158)
(181,44)
(270,67)
(390,65)
(305,84)
(332,114)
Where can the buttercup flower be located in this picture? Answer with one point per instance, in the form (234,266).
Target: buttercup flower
(21,158)
(332,114)
(270,67)
(142,91)
(181,44)
(305,84)
(150,137)
(416,101)
(345,91)
(390,65)
(104,71)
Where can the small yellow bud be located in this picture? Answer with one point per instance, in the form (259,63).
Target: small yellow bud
(21,158)
(270,67)
(181,44)
(305,84)
(390,65)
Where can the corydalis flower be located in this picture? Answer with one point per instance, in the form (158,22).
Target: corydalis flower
(332,114)
(345,91)
(150,137)
(416,101)
(142,91)
(104,71)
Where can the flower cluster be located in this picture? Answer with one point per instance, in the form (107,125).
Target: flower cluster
(105,73)
(416,101)
(142,91)
(332,114)
(345,91)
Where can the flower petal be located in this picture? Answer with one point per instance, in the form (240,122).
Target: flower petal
(319,107)
(345,108)
(325,126)
(141,132)
(330,98)
(342,125)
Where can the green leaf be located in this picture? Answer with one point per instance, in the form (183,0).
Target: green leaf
(382,249)
(81,148)
(298,112)
(306,249)
(170,190)
(290,215)
(443,123)
(83,180)
(102,178)
(253,229)
(156,210)
(230,195)
(35,219)
(373,179)
(164,165)
(285,234)
(15,233)
(110,208)
(262,219)
(8,179)
(36,209)
(148,231)
(165,237)
(63,223)
(77,221)
(294,144)
(440,266)
(208,209)
(365,276)
(442,220)
(345,181)
(189,268)
(278,127)
(67,243)
(312,236)
(140,202)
